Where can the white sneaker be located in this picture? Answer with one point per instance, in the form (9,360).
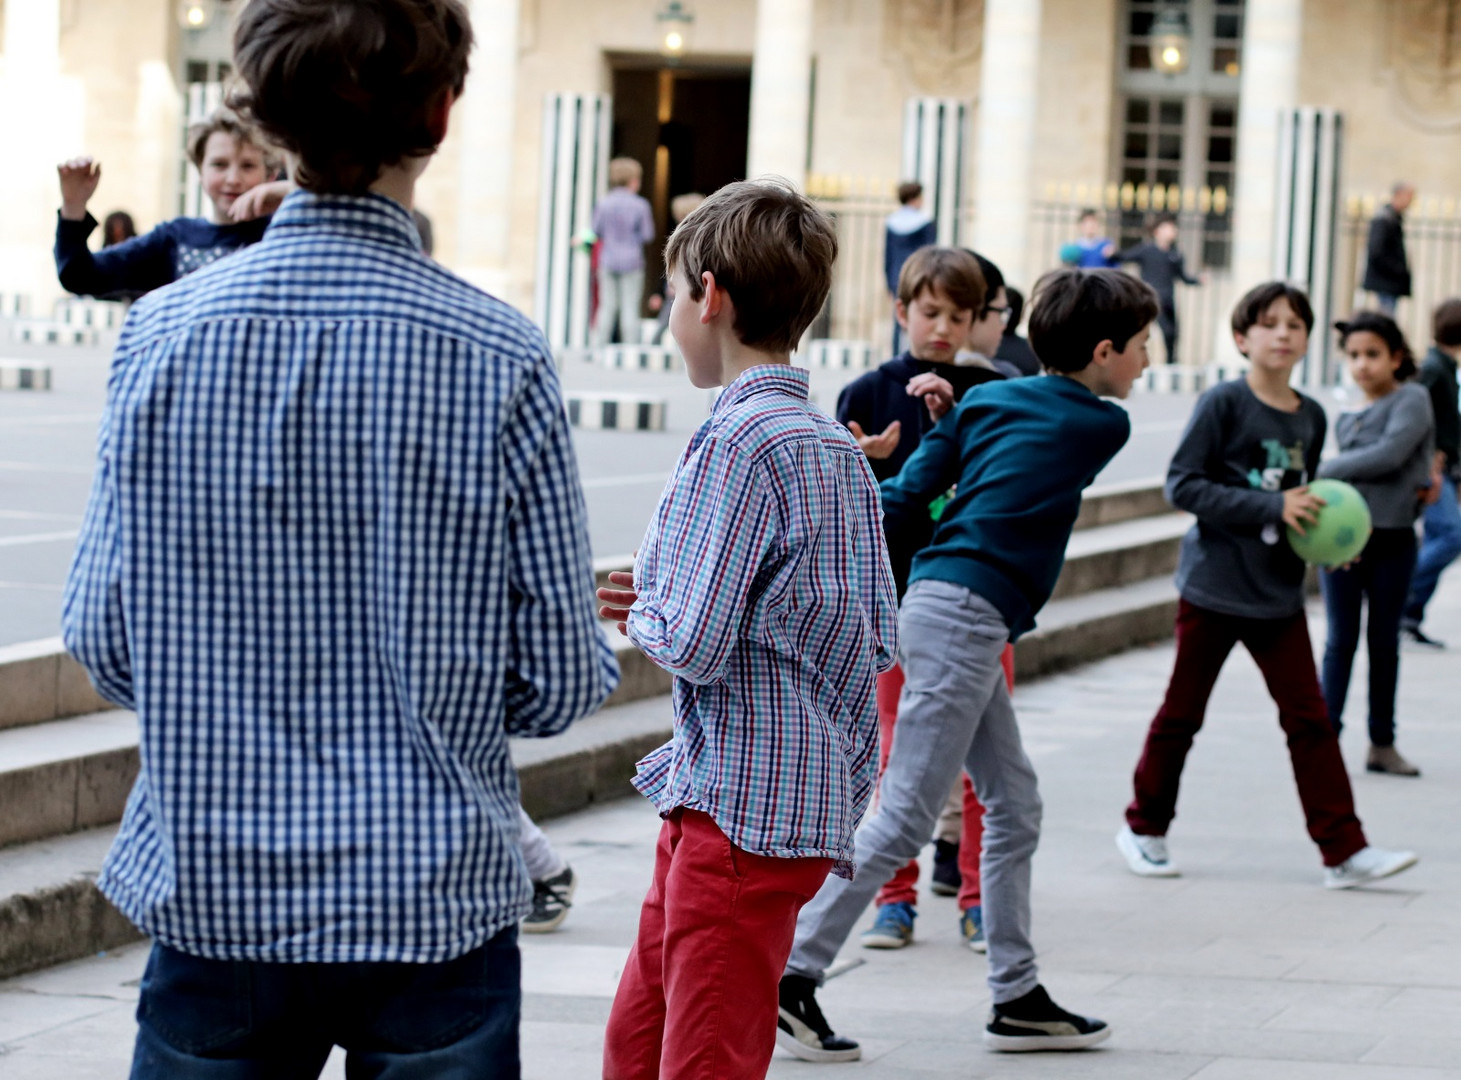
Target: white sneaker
(1366,865)
(1146,855)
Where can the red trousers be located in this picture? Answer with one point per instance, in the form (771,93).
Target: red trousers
(902,887)
(1282,651)
(698,997)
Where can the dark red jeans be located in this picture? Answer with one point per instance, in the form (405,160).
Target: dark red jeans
(902,887)
(698,997)
(1282,651)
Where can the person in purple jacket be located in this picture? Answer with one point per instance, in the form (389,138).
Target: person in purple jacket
(624,224)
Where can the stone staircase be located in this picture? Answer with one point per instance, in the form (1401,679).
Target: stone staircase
(67,760)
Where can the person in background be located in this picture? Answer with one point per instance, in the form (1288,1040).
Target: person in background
(1161,265)
(233,162)
(1387,268)
(1014,349)
(1092,249)
(623,223)
(116,228)
(1387,451)
(906,229)
(1441,518)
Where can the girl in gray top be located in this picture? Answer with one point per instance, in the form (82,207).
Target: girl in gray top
(1386,450)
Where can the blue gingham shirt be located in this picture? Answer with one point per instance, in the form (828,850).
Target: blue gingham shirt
(764,588)
(335,554)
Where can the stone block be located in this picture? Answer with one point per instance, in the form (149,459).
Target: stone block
(39,801)
(64,922)
(103,783)
(28,678)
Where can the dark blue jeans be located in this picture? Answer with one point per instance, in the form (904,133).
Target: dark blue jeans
(236,1020)
(1438,550)
(1381,576)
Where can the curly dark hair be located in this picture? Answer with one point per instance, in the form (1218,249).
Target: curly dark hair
(1387,330)
(348,86)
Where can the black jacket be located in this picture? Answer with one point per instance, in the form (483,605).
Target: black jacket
(1438,375)
(1386,268)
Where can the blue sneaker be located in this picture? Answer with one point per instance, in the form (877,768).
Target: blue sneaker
(971,925)
(893,927)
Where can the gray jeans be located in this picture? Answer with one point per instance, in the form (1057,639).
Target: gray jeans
(538,854)
(619,294)
(955,710)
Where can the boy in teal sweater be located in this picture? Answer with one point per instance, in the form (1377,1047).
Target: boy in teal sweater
(1020,452)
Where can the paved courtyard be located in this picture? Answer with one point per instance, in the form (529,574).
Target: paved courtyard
(1243,969)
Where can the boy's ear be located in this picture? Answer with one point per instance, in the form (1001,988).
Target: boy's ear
(714,300)
(900,310)
(438,114)
(1102,353)
(1241,341)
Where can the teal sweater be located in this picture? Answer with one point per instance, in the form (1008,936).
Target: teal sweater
(1021,452)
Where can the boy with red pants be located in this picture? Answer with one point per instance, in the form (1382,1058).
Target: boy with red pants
(949,300)
(763,586)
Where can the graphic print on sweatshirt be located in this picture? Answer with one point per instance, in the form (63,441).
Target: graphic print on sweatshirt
(1276,467)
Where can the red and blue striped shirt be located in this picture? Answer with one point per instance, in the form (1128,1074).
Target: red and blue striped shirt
(764,588)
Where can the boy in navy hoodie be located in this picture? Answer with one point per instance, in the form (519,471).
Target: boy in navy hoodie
(1020,451)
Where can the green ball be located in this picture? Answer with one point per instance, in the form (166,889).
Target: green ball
(1342,530)
(1070,254)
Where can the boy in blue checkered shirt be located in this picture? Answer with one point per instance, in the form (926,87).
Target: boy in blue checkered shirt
(763,585)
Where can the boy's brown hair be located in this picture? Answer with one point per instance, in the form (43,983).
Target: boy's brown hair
(954,271)
(348,88)
(1446,323)
(909,190)
(769,248)
(623,171)
(227,122)
(1073,311)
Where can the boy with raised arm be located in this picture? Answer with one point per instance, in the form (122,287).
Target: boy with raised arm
(763,586)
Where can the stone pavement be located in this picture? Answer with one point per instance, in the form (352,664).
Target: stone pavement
(1243,969)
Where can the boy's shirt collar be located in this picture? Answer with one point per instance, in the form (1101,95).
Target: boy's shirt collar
(765,377)
(366,217)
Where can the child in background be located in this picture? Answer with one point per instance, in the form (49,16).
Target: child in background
(1441,518)
(906,229)
(1092,249)
(763,586)
(1386,452)
(118,227)
(1161,265)
(1013,348)
(623,223)
(1020,452)
(1242,468)
(232,160)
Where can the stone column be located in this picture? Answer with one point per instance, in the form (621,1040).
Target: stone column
(486,121)
(1005,143)
(1269,83)
(781,73)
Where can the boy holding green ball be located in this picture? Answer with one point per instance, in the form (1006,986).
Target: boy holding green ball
(1242,469)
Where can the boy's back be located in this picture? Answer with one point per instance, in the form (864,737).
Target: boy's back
(766,541)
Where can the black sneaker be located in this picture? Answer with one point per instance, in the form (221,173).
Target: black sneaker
(946,876)
(551,898)
(1416,636)
(802,1030)
(1034,1022)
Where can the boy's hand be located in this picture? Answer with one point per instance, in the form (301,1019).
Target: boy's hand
(936,391)
(877,447)
(259,201)
(79,178)
(617,602)
(1300,508)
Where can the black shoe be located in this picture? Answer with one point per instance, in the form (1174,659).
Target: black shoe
(1416,636)
(802,1030)
(946,876)
(1034,1022)
(551,898)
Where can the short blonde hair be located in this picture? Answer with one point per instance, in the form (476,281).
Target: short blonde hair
(624,170)
(228,122)
(769,248)
(682,205)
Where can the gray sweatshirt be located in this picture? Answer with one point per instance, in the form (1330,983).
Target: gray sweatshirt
(1236,459)
(1385,452)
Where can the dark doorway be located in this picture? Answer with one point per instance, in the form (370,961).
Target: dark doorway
(687,125)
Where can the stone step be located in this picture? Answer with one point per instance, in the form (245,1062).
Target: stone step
(65,775)
(1107,556)
(1082,629)
(39,681)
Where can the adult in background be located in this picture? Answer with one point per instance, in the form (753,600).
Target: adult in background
(1161,265)
(907,229)
(1387,270)
(336,553)
(624,223)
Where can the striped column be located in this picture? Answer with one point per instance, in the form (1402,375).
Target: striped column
(935,147)
(573,175)
(1305,224)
